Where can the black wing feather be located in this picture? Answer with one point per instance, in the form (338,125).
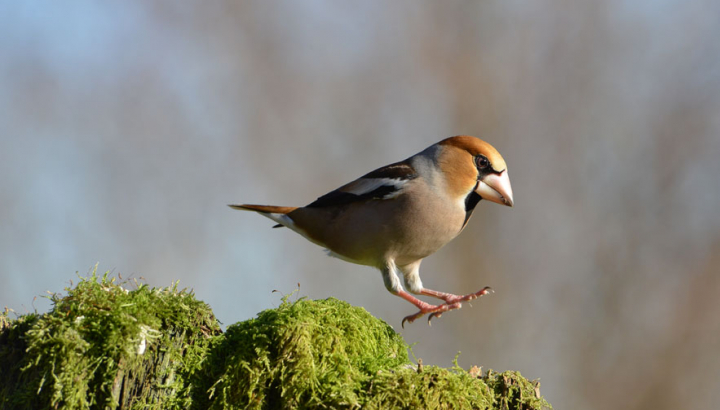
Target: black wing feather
(400,171)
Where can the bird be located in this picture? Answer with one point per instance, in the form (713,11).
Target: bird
(395,216)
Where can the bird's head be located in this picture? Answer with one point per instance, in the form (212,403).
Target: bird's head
(471,162)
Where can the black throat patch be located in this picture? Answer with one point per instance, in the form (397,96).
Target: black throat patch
(471,202)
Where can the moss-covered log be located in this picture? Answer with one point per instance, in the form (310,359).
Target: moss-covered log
(104,346)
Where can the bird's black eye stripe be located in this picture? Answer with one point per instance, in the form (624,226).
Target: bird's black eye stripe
(482,162)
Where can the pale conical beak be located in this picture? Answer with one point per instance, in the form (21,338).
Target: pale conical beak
(496,188)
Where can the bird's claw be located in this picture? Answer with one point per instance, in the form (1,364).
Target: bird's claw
(434,311)
(412,318)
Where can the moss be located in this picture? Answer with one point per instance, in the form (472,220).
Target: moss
(328,354)
(87,352)
(306,353)
(103,345)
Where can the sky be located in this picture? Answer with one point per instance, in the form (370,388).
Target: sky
(126,129)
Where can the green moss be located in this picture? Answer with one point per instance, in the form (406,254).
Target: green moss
(306,353)
(103,345)
(328,354)
(86,353)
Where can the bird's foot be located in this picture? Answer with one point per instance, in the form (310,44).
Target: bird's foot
(452,302)
(449,298)
(433,310)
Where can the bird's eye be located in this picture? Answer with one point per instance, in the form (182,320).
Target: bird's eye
(482,162)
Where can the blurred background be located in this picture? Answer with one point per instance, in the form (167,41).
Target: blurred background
(126,128)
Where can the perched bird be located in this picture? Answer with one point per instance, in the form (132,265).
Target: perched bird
(395,216)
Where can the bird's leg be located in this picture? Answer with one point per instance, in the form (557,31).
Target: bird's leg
(411,274)
(414,284)
(392,283)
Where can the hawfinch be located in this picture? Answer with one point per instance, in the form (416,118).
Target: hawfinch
(395,216)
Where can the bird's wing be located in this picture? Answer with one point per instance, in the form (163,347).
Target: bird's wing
(383,183)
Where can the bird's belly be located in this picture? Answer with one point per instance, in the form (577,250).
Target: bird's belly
(411,235)
(422,240)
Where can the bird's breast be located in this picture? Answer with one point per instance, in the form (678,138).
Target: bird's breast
(426,227)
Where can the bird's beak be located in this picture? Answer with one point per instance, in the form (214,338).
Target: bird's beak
(496,188)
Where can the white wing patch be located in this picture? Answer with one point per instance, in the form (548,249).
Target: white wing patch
(384,183)
(364,186)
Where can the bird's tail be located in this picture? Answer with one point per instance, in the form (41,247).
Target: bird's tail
(276,213)
(264,209)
